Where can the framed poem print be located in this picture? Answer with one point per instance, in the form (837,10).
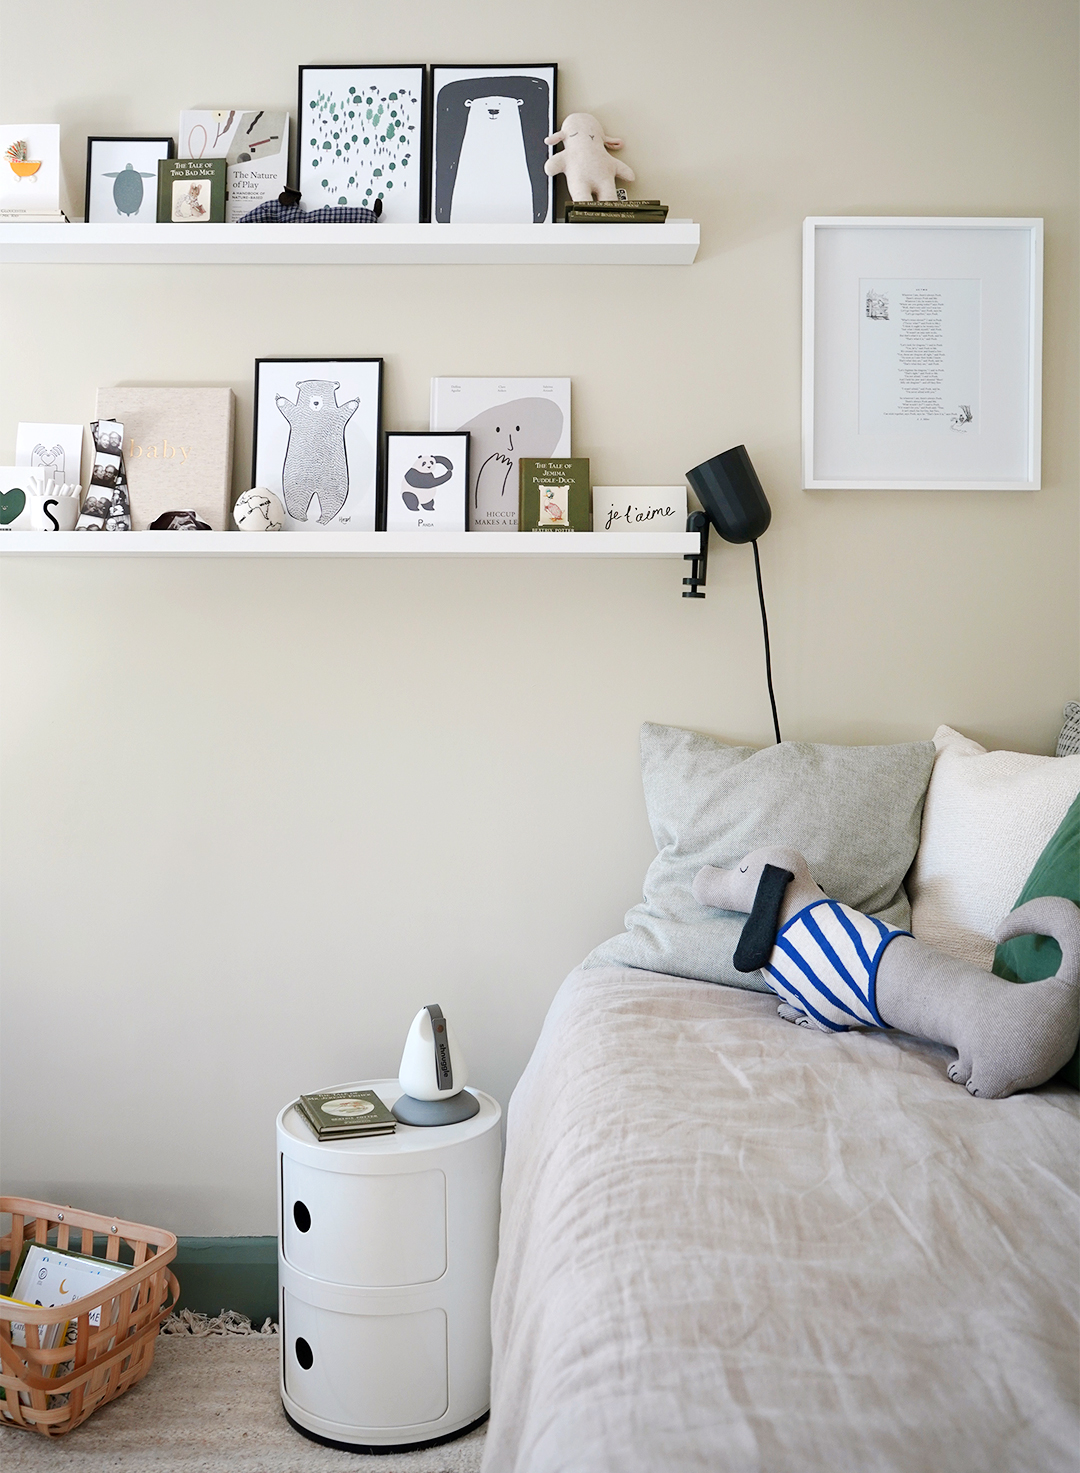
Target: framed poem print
(922,353)
(361,135)
(121,179)
(489,125)
(427,482)
(318,423)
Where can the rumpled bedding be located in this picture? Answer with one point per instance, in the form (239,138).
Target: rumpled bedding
(731,1244)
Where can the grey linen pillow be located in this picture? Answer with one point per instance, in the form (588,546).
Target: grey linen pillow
(854,812)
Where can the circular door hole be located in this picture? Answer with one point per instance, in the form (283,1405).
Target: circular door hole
(301,1216)
(303,1353)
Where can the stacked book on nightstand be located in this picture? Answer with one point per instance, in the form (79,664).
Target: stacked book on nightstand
(615,212)
(344,1114)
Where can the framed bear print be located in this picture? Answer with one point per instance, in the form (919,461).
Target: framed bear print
(490,123)
(362,136)
(427,482)
(318,423)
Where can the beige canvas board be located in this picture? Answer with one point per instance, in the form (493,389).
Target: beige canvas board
(177,450)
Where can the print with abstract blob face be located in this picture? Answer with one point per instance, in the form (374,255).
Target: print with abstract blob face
(500,436)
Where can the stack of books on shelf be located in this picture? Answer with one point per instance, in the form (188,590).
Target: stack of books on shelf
(615,212)
(344,1114)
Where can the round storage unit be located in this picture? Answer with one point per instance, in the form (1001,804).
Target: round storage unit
(386,1256)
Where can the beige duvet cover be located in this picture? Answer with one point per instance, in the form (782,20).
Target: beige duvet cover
(732,1244)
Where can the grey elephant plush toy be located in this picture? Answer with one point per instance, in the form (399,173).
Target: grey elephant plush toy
(836,968)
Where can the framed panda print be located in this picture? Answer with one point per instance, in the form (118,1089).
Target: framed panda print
(490,123)
(361,136)
(427,482)
(317,427)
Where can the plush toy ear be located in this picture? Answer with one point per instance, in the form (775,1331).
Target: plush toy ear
(759,933)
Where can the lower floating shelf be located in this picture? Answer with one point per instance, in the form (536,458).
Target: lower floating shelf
(350,544)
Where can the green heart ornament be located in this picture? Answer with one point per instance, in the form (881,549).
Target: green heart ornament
(11,505)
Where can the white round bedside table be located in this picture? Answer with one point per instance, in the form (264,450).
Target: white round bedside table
(386,1256)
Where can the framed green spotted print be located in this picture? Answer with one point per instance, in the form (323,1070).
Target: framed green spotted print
(362,136)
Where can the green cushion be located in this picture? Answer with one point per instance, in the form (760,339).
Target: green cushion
(1029,958)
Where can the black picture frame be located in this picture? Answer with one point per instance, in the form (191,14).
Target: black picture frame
(424,191)
(377,442)
(462,435)
(441,184)
(120,138)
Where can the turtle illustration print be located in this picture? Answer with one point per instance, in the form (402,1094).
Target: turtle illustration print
(127,190)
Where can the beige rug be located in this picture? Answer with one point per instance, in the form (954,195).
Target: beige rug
(211,1405)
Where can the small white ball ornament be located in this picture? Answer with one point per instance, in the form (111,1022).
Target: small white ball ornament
(259,510)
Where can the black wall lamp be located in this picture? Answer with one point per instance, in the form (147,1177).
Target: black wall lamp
(735,504)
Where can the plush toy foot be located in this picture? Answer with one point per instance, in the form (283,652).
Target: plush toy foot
(1008,1036)
(959,1070)
(799,1018)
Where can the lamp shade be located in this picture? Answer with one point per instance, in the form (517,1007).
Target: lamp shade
(730,492)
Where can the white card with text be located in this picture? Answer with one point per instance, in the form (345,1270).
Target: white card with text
(639,508)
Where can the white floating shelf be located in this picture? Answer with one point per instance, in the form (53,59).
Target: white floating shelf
(351,544)
(673,244)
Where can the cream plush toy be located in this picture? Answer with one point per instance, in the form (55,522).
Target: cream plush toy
(589,168)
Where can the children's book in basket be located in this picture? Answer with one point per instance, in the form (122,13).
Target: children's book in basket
(343,1114)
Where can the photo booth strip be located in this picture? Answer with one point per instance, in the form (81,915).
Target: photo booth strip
(107,507)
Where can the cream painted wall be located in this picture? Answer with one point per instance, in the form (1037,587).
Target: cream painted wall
(255,814)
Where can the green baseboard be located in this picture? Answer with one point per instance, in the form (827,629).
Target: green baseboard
(228,1273)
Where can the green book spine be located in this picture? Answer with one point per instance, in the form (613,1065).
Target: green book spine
(192,191)
(554,495)
(587,217)
(614,204)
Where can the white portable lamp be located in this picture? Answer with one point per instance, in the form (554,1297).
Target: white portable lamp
(432,1074)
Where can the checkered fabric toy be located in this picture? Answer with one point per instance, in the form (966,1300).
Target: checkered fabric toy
(273,212)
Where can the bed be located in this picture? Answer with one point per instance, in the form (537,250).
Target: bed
(733,1244)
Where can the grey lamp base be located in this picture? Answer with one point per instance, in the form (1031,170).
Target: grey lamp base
(462,1106)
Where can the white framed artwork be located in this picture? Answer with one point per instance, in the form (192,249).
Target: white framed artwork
(427,482)
(30,178)
(318,423)
(506,419)
(121,179)
(490,124)
(922,353)
(361,136)
(54,449)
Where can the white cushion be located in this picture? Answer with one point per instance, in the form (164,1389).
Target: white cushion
(988,816)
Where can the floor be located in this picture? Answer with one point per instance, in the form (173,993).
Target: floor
(211,1405)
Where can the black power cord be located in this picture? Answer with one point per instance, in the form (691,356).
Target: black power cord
(765,632)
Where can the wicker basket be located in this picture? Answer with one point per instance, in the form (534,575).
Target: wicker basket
(104,1360)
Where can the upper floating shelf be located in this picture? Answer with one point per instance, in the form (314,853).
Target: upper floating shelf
(352,544)
(674,243)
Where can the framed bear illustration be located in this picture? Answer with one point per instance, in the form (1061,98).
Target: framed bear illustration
(490,123)
(427,481)
(317,430)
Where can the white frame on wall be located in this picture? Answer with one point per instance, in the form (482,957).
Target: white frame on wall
(839,250)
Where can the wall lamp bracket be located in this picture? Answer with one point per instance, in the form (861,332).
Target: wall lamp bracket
(697,522)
